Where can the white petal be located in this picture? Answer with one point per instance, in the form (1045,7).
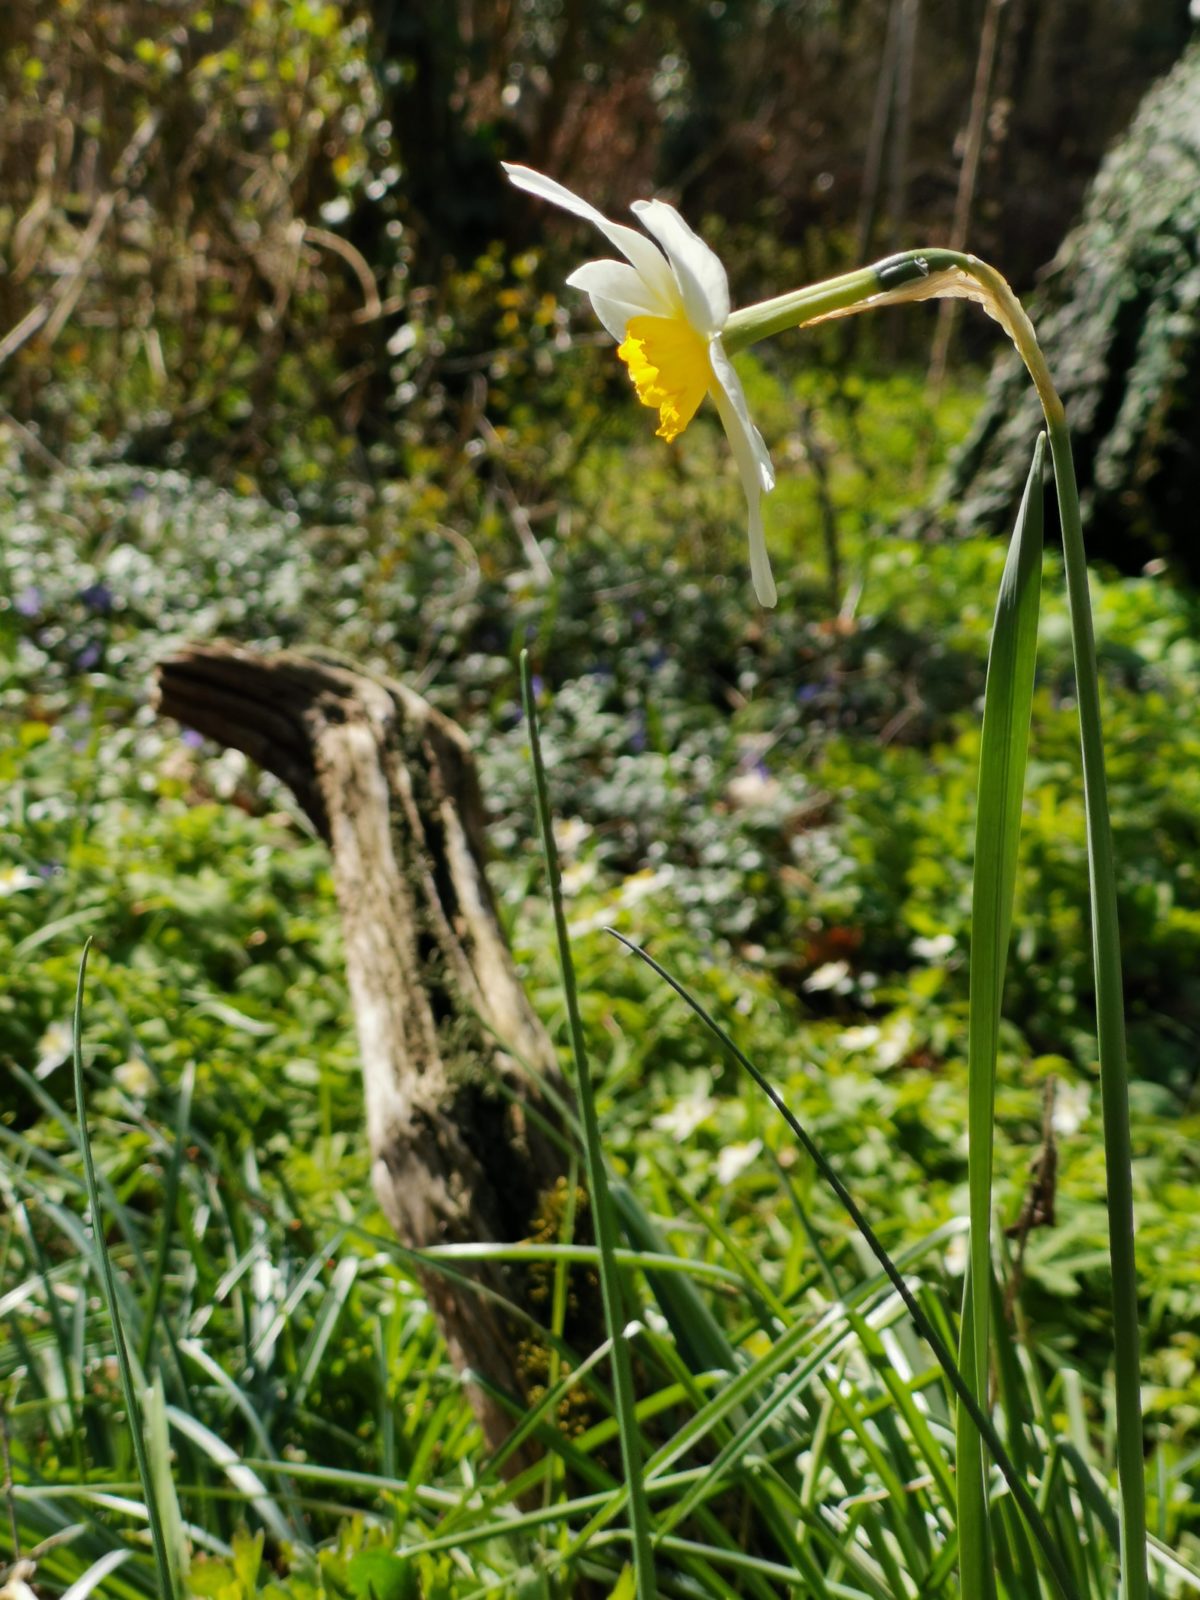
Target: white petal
(702,279)
(634,246)
(615,315)
(749,453)
(728,379)
(547,189)
(649,262)
(615,281)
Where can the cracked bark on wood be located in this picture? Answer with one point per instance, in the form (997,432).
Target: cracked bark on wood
(457,1124)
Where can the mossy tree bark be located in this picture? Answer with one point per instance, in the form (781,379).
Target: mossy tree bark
(466,1145)
(1118,316)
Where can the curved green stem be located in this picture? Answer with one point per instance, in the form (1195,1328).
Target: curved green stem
(1110,1026)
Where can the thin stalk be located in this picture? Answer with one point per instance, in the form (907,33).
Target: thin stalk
(1110,1029)
(893,278)
(602,1213)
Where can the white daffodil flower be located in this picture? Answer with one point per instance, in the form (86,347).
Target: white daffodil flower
(666,305)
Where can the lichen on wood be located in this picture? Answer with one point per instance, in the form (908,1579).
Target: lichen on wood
(463,1094)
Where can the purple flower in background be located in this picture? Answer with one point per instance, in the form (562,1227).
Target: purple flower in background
(88,657)
(192,739)
(29,602)
(97,597)
(637,736)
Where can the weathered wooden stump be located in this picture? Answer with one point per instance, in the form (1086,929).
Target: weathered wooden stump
(462,1134)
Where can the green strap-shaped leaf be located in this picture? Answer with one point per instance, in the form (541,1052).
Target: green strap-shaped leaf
(1004,751)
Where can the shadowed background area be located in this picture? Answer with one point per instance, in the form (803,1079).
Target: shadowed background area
(213,217)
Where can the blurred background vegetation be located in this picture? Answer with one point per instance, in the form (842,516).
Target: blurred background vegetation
(253,238)
(282,358)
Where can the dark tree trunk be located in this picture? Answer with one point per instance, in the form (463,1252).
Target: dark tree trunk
(1119,319)
(464,1140)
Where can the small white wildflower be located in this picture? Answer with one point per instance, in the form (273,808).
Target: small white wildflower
(897,1042)
(752,790)
(734,1160)
(54,1047)
(833,976)
(577,876)
(859,1038)
(641,885)
(14,879)
(569,834)
(135,1077)
(956,1255)
(1072,1104)
(681,1120)
(933,950)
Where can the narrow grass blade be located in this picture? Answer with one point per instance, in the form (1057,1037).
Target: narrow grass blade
(698,1335)
(124,1365)
(1003,754)
(802,1351)
(72,1369)
(248,1484)
(1029,1510)
(324,1324)
(158,1449)
(604,1216)
(95,1575)
(120,1213)
(1016,1405)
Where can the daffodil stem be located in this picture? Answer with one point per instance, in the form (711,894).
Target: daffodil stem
(1110,1025)
(752,323)
(850,292)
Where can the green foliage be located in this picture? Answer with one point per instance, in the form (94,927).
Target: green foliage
(778,808)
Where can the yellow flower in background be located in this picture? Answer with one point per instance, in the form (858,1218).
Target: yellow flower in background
(666,305)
